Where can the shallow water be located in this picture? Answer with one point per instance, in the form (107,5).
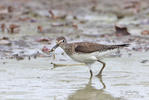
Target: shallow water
(124,78)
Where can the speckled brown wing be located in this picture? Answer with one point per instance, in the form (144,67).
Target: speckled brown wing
(87,47)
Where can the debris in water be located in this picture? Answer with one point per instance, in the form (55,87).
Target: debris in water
(13,28)
(46,40)
(56,17)
(144,61)
(145,32)
(45,49)
(3,27)
(5,41)
(39,29)
(121,31)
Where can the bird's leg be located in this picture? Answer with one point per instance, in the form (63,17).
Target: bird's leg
(103,84)
(91,73)
(100,73)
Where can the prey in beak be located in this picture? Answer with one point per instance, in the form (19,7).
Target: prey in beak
(57,45)
(53,49)
(59,42)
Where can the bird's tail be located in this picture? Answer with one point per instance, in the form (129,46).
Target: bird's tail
(123,45)
(118,46)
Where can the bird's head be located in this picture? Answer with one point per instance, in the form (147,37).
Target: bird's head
(60,41)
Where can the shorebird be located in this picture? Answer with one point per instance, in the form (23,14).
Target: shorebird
(86,52)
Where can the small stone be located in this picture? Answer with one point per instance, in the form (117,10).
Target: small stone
(5,42)
(144,61)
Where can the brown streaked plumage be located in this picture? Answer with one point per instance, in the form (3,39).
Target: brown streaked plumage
(86,52)
(87,47)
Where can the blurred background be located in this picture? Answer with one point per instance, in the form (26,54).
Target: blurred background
(28,29)
(32,24)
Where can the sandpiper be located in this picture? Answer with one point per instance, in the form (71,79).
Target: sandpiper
(86,52)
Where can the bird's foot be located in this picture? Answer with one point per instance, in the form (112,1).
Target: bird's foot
(91,74)
(99,75)
(54,66)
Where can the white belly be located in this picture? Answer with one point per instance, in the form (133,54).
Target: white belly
(91,57)
(85,58)
(105,54)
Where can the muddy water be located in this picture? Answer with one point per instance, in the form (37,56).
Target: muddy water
(124,78)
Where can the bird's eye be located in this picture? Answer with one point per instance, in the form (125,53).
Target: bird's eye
(63,40)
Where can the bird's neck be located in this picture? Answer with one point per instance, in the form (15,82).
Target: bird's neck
(63,46)
(67,48)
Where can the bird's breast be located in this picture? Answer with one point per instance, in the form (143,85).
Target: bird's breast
(85,58)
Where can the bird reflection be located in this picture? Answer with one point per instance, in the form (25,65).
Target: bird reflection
(91,93)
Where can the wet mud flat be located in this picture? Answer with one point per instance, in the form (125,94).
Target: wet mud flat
(35,80)
(28,29)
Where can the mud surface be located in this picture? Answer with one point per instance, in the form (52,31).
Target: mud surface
(28,29)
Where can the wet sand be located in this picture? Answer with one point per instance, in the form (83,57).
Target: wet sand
(26,72)
(125,78)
